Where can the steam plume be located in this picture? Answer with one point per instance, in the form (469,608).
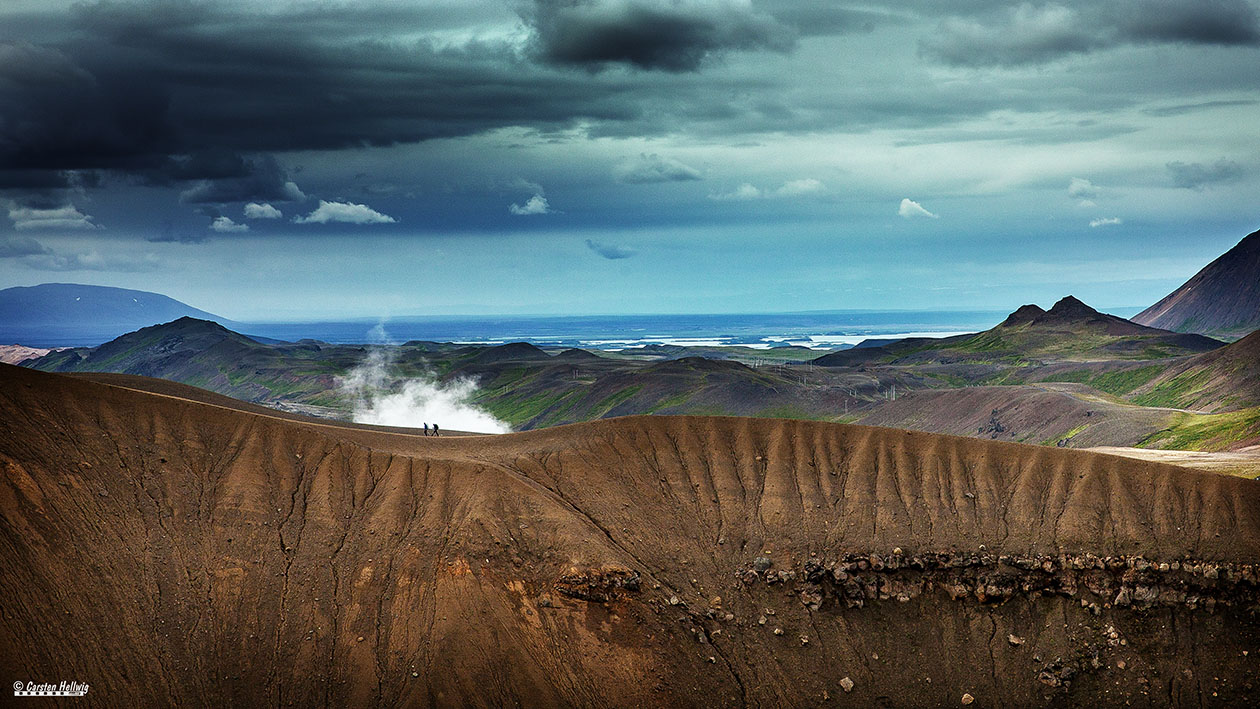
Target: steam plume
(382,397)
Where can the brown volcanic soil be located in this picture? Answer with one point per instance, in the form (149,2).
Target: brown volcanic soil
(1035,413)
(168,551)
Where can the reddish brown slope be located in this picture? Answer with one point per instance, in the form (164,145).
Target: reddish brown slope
(1073,414)
(173,552)
(1222,299)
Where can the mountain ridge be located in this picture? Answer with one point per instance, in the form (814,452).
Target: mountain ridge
(59,314)
(1069,330)
(1222,299)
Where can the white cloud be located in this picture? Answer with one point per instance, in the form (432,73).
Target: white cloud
(1106,221)
(791,188)
(796,188)
(911,209)
(254,210)
(346,212)
(742,193)
(536,205)
(1081,188)
(223,225)
(654,168)
(67,217)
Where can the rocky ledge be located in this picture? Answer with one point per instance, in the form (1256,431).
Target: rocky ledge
(597,585)
(855,579)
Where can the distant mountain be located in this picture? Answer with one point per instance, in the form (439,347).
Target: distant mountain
(512,351)
(1221,300)
(1070,315)
(60,314)
(14,354)
(152,351)
(1069,331)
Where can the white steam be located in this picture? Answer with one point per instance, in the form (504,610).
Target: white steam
(381,397)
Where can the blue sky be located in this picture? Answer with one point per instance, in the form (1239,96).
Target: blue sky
(400,158)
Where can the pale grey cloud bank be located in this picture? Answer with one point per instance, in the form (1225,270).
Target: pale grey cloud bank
(1197,175)
(67,217)
(654,168)
(1036,33)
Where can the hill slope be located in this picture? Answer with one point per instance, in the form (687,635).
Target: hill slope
(1059,414)
(175,552)
(518,383)
(1069,331)
(1223,299)
(1222,380)
(60,314)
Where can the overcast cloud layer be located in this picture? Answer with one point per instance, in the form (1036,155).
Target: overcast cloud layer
(317,159)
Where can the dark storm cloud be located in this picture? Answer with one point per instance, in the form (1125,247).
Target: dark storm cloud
(1035,34)
(612,252)
(61,116)
(195,96)
(647,34)
(259,179)
(17,247)
(46,189)
(1225,22)
(139,83)
(1197,175)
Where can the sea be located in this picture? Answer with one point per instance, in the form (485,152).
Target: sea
(817,330)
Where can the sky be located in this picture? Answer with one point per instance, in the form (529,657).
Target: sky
(306,159)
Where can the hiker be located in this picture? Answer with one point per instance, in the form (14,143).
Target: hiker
(426,429)
(435,429)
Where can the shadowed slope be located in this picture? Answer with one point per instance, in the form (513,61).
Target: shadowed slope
(171,551)
(1221,299)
